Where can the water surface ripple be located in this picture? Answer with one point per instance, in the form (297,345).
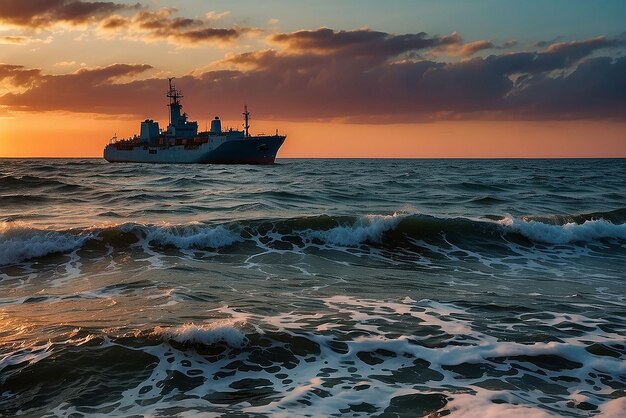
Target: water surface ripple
(391,288)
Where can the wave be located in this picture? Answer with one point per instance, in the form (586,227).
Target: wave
(19,242)
(570,232)
(225,331)
(617,216)
(30,182)
(191,236)
(367,228)
(23,199)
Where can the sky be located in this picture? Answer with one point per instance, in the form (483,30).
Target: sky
(341,78)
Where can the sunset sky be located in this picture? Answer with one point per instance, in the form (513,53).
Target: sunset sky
(349,78)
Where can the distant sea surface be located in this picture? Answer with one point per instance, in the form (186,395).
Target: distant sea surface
(392,288)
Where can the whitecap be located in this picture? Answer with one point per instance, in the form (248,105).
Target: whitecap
(365,228)
(223,331)
(563,234)
(192,236)
(19,242)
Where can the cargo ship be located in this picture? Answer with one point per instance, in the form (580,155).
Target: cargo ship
(181,143)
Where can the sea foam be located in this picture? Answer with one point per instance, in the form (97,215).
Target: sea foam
(481,405)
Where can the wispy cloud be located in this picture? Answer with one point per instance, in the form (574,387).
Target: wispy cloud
(164,25)
(45,13)
(16,40)
(116,20)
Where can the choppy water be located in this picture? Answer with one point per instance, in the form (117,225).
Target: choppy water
(313,288)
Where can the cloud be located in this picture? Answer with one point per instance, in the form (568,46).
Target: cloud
(578,49)
(112,20)
(162,25)
(45,13)
(596,88)
(471,48)
(206,35)
(321,75)
(15,40)
(18,75)
(115,22)
(214,16)
(86,90)
(65,64)
(5,114)
(362,42)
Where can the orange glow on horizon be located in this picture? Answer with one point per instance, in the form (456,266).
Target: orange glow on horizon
(77,135)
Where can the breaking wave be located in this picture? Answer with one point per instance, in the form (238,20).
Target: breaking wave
(19,242)
(367,228)
(589,230)
(225,331)
(191,236)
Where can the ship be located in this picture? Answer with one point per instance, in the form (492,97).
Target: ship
(181,143)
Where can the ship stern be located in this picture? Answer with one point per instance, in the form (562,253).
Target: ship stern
(253,150)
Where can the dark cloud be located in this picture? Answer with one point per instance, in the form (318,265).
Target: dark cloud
(562,81)
(143,25)
(207,35)
(362,42)
(575,50)
(508,44)
(163,25)
(162,20)
(557,56)
(596,88)
(18,75)
(115,22)
(43,13)
(87,90)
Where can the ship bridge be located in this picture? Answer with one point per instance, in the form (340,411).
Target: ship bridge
(179,127)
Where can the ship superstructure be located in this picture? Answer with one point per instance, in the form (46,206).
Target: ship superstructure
(181,143)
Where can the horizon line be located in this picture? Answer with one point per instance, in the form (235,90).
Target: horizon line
(335,158)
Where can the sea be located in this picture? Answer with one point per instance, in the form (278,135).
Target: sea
(313,288)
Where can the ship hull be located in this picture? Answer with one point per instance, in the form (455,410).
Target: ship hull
(253,150)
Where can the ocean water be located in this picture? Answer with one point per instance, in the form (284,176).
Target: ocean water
(391,288)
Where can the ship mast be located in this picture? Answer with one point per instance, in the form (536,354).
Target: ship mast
(174,105)
(246,116)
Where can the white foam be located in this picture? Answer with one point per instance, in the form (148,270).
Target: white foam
(366,228)
(429,312)
(300,394)
(567,233)
(222,331)
(613,409)
(192,236)
(19,242)
(29,354)
(481,406)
